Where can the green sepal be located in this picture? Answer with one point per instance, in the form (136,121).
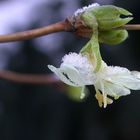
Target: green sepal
(112,37)
(108,16)
(92,51)
(124,11)
(113,23)
(89,20)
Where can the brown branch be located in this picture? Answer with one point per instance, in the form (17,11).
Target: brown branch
(68,25)
(26,35)
(83,31)
(29,78)
(131,27)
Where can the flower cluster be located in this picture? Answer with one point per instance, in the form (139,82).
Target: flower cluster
(88,68)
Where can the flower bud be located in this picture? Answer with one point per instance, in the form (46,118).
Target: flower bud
(107,16)
(112,37)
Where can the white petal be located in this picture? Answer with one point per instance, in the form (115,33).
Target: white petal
(60,75)
(112,89)
(116,70)
(127,80)
(136,74)
(122,76)
(73,74)
(115,90)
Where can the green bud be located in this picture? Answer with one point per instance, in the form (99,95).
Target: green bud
(112,37)
(107,16)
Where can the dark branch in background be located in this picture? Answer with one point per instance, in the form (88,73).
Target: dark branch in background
(29,78)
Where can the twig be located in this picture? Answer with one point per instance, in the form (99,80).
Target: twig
(131,27)
(26,35)
(29,78)
(66,26)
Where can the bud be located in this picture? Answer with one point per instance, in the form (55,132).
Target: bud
(112,37)
(107,17)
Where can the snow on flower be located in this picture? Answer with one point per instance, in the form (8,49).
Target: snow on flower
(112,81)
(75,70)
(85,8)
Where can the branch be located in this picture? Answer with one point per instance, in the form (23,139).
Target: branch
(131,27)
(68,26)
(29,78)
(30,34)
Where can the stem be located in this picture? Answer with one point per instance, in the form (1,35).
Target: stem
(131,27)
(53,28)
(29,78)
(26,35)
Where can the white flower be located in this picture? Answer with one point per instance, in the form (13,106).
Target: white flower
(115,82)
(76,70)
(85,8)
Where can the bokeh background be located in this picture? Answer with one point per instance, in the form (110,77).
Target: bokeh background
(44,112)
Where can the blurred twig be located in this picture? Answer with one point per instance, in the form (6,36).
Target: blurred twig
(29,78)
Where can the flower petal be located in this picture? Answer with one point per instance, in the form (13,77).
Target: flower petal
(127,80)
(70,75)
(115,90)
(73,74)
(61,75)
(122,76)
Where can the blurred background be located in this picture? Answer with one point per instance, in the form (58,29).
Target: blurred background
(44,112)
